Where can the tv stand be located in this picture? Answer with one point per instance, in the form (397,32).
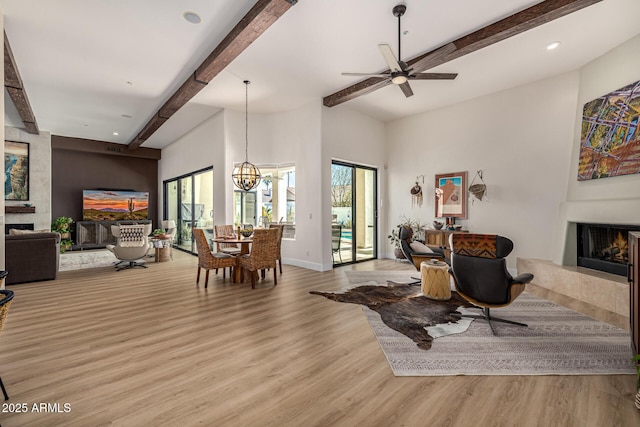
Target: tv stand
(97,234)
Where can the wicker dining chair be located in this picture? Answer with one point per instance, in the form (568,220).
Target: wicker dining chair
(6,297)
(280,228)
(227,248)
(263,254)
(210,260)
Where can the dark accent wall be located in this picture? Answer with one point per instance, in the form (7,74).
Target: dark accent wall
(73,171)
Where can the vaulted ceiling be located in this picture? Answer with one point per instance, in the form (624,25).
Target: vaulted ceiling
(92,69)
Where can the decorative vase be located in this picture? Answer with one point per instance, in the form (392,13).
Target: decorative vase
(398,253)
(638,399)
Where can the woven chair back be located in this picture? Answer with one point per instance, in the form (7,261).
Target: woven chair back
(264,248)
(5,301)
(205,258)
(222,231)
(280,228)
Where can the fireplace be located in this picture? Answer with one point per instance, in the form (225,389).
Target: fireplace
(604,247)
(8,227)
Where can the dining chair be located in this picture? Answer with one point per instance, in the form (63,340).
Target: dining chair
(280,228)
(6,297)
(227,248)
(210,260)
(263,254)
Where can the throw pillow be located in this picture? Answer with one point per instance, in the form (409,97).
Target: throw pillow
(420,248)
(17,232)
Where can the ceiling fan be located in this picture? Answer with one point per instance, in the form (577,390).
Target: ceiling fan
(399,72)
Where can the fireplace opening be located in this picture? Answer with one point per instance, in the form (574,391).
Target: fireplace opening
(604,247)
(22,226)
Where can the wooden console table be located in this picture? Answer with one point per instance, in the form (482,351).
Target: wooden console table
(440,239)
(97,234)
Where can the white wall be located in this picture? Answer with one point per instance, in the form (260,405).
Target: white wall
(39,179)
(352,137)
(202,147)
(521,138)
(614,200)
(617,68)
(288,137)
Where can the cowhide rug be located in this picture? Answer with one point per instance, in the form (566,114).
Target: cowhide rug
(402,308)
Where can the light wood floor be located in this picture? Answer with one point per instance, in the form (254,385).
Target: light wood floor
(148,347)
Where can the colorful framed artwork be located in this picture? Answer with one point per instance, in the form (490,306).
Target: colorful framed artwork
(451,195)
(609,140)
(16,170)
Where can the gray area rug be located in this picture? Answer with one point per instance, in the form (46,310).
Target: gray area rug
(558,341)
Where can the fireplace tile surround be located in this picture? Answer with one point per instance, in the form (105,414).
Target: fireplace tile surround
(604,290)
(562,275)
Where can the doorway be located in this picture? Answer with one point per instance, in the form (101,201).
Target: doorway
(354,228)
(188,200)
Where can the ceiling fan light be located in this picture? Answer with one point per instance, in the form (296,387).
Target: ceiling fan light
(398,80)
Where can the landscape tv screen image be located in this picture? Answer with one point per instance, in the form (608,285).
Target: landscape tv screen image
(105,205)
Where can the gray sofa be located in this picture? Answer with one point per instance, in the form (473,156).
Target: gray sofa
(31,257)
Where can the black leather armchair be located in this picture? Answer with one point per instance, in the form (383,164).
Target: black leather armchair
(480,274)
(405,235)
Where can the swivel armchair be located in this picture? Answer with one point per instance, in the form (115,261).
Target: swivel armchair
(416,252)
(132,244)
(480,274)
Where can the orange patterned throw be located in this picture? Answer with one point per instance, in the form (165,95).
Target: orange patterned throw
(476,245)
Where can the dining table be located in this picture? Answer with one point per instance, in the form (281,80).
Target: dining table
(239,275)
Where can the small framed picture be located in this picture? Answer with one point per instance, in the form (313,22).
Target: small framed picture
(451,195)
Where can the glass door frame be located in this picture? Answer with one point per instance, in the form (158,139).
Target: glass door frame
(165,202)
(354,167)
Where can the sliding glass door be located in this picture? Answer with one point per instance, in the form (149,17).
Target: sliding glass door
(354,215)
(188,200)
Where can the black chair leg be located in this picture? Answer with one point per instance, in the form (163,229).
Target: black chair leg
(486,315)
(4,390)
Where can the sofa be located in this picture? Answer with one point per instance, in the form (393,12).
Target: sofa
(31,257)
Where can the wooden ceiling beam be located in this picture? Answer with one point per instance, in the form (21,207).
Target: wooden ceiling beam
(15,89)
(517,23)
(261,16)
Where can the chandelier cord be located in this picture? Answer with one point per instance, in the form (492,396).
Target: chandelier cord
(246,121)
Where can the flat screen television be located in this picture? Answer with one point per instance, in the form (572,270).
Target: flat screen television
(107,205)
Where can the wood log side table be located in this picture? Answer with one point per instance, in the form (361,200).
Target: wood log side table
(435,280)
(162,246)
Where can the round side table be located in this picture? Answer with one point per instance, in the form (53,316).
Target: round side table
(435,280)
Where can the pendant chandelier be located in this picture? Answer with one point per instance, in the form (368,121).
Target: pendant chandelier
(246,176)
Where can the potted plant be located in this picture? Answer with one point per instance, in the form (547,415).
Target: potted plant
(418,234)
(63,225)
(159,233)
(395,241)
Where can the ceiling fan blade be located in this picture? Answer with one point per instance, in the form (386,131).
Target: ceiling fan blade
(366,74)
(433,76)
(406,89)
(391,60)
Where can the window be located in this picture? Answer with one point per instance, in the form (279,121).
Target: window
(273,201)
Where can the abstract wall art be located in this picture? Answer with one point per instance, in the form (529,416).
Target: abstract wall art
(16,170)
(609,141)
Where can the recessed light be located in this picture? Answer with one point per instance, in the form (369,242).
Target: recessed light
(192,17)
(126,116)
(553,45)
(116,134)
